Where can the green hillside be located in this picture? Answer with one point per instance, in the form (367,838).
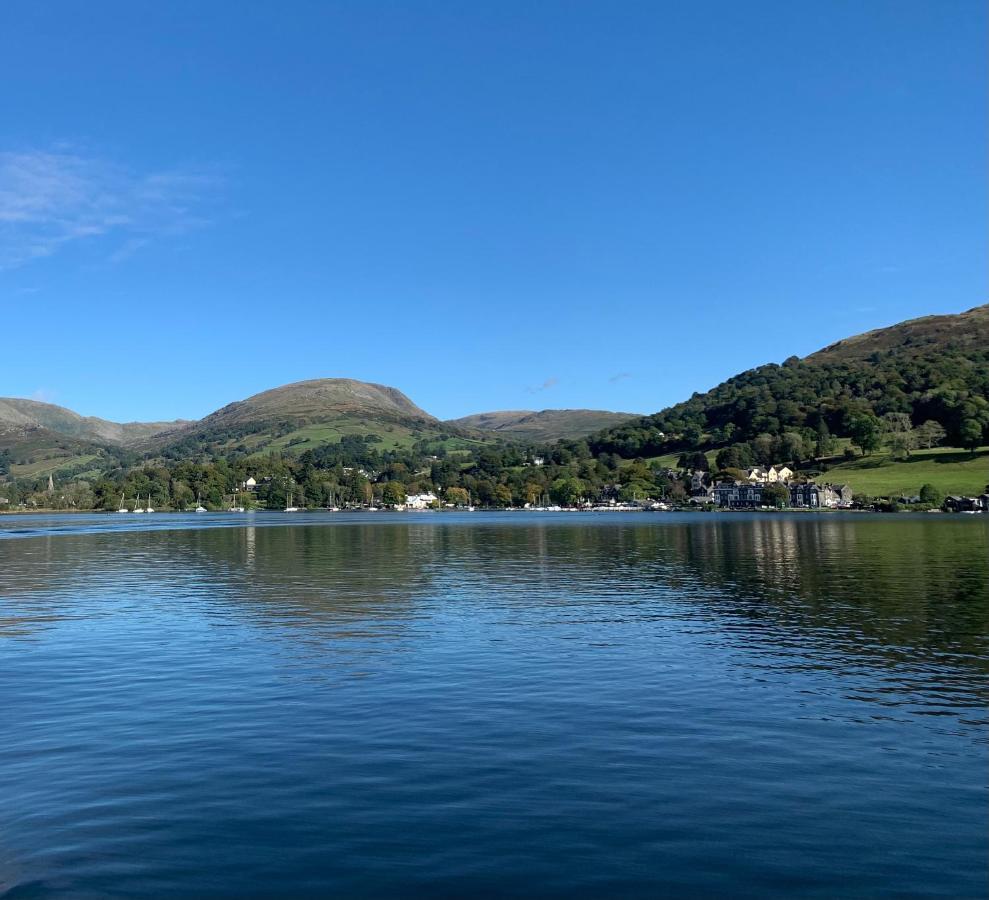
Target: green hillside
(27,451)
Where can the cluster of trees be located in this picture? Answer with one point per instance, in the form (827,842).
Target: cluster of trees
(33,492)
(893,431)
(896,431)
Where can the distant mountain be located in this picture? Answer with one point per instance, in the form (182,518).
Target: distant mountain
(935,368)
(317,399)
(34,414)
(544,426)
(307,415)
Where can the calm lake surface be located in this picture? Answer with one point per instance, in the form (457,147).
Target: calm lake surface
(487,705)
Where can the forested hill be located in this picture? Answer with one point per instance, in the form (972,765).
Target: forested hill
(932,371)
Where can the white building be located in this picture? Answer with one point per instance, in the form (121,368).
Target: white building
(420,501)
(773,474)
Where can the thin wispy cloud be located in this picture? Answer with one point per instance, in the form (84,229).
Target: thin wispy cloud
(545,386)
(619,376)
(127,249)
(52,199)
(44,395)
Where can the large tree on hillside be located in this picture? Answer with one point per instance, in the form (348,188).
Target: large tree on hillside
(866,432)
(970,434)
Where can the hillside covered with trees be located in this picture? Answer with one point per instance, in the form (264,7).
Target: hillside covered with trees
(916,384)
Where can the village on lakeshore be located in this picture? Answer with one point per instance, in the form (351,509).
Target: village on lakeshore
(774,487)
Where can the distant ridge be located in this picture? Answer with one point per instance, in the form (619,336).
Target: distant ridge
(18,412)
(543,426)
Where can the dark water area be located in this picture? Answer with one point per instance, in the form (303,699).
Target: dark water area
(488,705)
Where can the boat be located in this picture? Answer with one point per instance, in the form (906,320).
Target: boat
(123,508)
(233,505)
(150,508)
(288,505)
(137,504)
(199,506)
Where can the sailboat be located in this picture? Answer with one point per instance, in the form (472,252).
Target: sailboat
(137,504)
(288,505)
(150,507)
(123,508)
(199,505)
(233,504)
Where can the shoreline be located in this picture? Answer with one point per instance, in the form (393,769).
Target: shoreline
(569,510)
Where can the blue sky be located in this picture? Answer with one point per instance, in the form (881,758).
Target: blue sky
(490,205)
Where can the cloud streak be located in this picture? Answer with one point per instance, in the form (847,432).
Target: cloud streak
(620,376)
(545,386)
(52,199)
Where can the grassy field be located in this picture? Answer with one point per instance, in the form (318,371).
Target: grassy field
(669,461)
(949,469)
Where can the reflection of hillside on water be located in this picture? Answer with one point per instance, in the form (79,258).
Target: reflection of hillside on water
(887,587)
(894,585)
(280,577)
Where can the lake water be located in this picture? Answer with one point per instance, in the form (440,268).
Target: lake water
(487,705)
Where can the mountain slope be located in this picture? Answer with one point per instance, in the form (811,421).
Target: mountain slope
(915,337)
(544,426)
(58,419)
(932,369)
